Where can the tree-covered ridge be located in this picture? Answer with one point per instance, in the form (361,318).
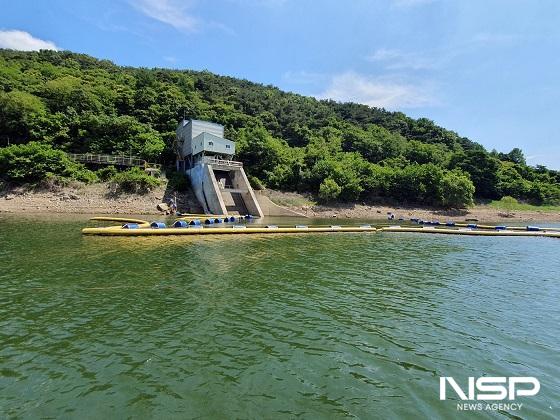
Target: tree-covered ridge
(345,151)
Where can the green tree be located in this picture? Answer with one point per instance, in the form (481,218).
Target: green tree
(510,182)
(34,162)
(516,156)
(482,168)
(118,135)
(329,190)
(416,151)
(416,184)
(375,144)
(70,92)
(287,141)
(262,153)
(19,112)
(456,190)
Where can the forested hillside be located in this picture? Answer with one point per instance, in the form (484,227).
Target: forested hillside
(61,101)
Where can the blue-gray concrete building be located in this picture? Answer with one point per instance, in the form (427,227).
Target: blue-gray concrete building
(219,182)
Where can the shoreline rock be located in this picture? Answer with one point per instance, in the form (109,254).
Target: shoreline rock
(96,199)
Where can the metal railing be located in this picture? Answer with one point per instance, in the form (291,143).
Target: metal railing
(112,160)
(222,162)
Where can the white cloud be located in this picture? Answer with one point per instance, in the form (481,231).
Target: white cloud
(378,92)
(171,12)
(24,41)
(397,60)
(436,59)
(538,156)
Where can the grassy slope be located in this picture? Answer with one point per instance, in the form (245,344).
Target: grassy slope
(496,204)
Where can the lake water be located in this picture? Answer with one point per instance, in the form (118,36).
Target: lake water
(314,326)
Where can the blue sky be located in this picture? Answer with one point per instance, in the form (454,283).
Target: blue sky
(489,70)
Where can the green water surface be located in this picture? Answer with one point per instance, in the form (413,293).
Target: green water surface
(336,325)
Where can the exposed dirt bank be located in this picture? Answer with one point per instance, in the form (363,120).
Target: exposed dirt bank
(98,199)
(304,204)
(90,199)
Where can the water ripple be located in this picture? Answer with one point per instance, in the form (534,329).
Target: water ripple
(334,325)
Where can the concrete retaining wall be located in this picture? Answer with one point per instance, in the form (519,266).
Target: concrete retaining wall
(240,181)
(270,208)
(213,199)
(206,189)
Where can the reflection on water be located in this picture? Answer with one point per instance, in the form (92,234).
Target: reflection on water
(327,325)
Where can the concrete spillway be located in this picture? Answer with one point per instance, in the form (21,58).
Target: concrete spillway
(222,187)
(219,182)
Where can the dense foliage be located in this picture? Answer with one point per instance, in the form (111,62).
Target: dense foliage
(34,162)
(134,180)
(341,151)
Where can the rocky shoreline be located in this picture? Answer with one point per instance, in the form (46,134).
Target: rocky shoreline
(478,213)
(297,202)
(98,199)
(90,199)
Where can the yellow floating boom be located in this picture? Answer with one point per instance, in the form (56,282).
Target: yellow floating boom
(239,230)
(138,227)
(120,219)
(492,227)
(473,232)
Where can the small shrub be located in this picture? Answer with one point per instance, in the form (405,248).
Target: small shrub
(107,173)
(84,175)
(255,182)
(53,183)
(135,180)
(329,190)
(177,180)
(508,203)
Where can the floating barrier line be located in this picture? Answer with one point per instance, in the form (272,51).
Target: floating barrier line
(506,227)
(120,219)
(473,232)
(119,231)
(137,227)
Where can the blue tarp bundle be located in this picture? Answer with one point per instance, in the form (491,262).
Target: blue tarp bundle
(130,226)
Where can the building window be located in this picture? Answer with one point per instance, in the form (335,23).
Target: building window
(228,146)
(210,143)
